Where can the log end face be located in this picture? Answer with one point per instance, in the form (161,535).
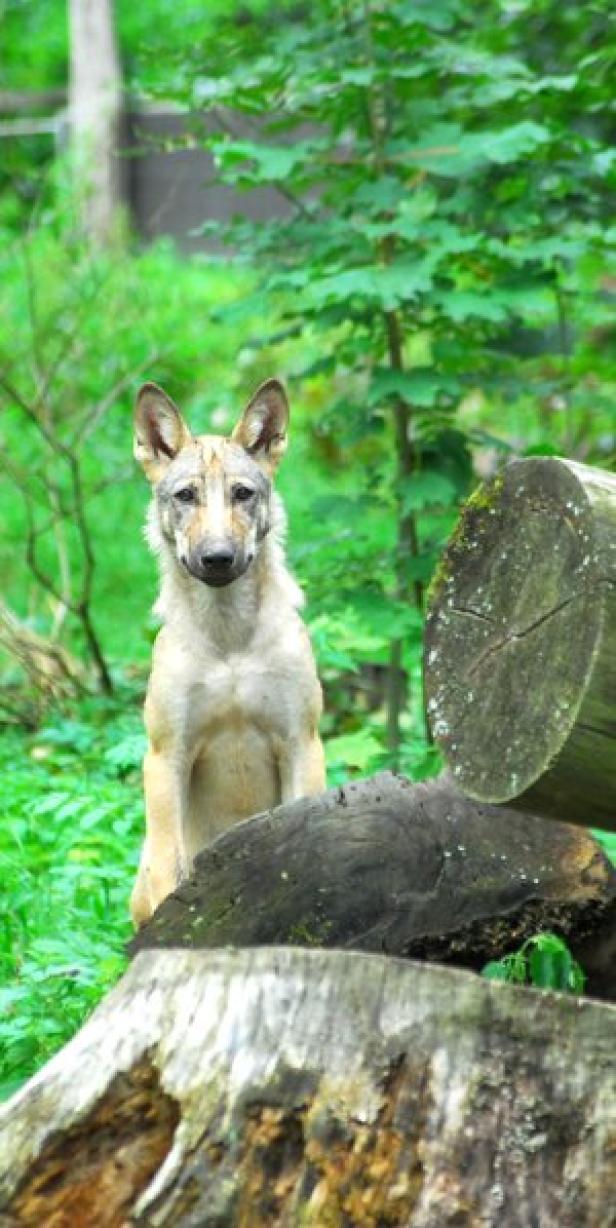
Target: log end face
(513,628)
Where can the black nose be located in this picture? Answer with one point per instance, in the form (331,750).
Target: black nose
(218,558)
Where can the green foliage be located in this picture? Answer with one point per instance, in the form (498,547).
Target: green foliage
(544,961)
(607,840)
(72,820)
(78,333)
(34,37)
(449,182)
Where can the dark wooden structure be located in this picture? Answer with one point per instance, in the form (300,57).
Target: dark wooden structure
(172,185)
(167,179)
(412,870)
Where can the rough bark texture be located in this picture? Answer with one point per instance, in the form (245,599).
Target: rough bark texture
(521,643)
(412,870)
(325,1088)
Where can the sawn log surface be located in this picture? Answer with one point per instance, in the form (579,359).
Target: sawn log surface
(520,644)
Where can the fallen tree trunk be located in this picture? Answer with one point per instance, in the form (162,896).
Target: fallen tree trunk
(285,1087)
(412,870)
(520,658)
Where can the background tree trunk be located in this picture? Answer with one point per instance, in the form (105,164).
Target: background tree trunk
(521,643)
(285,1087)
(95,114)
(412,870)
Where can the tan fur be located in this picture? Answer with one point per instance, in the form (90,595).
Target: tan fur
(233,701)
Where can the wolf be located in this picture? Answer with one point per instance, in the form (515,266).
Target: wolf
(233,701)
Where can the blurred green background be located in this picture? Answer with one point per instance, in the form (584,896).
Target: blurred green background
(438,294)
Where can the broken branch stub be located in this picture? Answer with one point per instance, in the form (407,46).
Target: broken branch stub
(520,655)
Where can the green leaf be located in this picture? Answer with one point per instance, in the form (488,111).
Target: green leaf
(496,970)
(417,387)
(462,305)
(261,163)
(607,840)
(440,17)
(508,144)
(541,449)
(428,489)
(517,968)
(577,978)
(127,753)
(384,285)
(447,150)
(421,567)
(386,617)
(357,750)
(550,969)
(545,961)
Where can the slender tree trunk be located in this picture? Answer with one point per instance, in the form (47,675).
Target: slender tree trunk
(407,544)
(95,109)
(379,121)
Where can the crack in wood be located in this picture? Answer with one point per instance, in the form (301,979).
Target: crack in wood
(459,609)
(520,635)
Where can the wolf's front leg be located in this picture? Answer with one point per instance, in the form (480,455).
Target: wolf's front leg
(301,764)
(163,860)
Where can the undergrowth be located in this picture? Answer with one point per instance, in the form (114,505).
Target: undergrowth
(69,843)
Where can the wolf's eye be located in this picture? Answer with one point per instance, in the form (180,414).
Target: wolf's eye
(242,494)
(185,495)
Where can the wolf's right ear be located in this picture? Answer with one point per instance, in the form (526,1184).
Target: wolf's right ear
(262,428)
(160,431)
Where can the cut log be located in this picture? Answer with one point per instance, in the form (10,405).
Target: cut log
(285,1087)
(411,870)
(520,658)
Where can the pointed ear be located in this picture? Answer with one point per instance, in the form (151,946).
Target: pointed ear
(262,428)
(160,431)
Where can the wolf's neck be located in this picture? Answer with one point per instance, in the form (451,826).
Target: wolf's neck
(226,619)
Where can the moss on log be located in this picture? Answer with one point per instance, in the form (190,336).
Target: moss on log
(412,870)
(520,658)
(318,1088)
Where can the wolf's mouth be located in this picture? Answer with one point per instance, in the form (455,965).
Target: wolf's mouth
(216,577)
(218,581)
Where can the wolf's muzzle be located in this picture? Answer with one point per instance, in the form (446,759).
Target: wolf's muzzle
(216,565)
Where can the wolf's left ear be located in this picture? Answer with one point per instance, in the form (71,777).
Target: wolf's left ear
(160,431)
(262,428)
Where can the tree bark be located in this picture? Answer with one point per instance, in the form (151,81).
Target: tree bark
(521,643)
(411,870)
(95,114)
(285,1087)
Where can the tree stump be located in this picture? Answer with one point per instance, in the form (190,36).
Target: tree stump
(411,870)
(287,1087)
(520,657)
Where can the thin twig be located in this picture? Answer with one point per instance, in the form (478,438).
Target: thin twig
(99,410)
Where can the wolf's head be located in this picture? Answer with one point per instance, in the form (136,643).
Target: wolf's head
(213,495)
